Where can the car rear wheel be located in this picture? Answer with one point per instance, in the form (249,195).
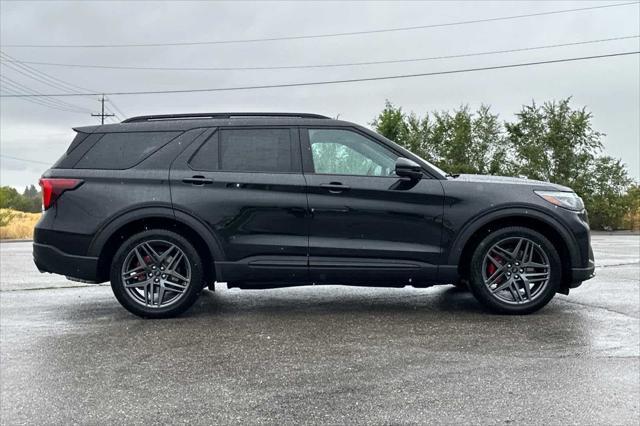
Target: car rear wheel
(156,274)
(515,270)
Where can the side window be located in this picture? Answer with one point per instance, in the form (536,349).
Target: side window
(344,152)
(256,150)
(206,157)
(247,150)
(119,151)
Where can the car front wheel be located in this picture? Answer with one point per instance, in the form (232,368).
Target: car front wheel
(515,270)
(156,274)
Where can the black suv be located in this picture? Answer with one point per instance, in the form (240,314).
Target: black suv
(165,205)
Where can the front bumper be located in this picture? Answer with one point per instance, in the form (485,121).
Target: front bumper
(578,275)
(51,259)
(581,274)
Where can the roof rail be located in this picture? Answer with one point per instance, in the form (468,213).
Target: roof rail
(198,115)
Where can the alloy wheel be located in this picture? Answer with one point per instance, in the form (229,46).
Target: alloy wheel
(516,270)
(156,273)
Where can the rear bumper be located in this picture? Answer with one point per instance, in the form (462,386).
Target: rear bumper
(51,259)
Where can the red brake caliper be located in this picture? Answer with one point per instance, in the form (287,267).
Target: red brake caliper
(491,267)
(143,275)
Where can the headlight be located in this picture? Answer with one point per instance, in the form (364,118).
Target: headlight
(568,200)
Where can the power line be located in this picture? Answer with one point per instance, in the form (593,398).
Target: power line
(33,77)
(41,102)
(118,110)
(38,75)
(28,71)
(327,82)
(113,115)
(348,64)
(57,102)
(20,88)
(17,88)
(9,157)
(44,78)
(324,35)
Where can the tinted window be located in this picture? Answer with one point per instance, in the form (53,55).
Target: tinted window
(247,150)
(206,158)
(77,141)
(119,151)
(344,152)
(256,150)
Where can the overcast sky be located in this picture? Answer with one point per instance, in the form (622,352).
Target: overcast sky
(610,87)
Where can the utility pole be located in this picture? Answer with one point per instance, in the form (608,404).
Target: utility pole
(102,115)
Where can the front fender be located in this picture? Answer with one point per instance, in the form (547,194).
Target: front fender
(481,220)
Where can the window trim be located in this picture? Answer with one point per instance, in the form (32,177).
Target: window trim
(307,156)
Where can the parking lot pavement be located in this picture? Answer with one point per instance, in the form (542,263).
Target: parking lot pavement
(322,354)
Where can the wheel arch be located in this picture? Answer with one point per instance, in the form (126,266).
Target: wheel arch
(472,234)
(111,235)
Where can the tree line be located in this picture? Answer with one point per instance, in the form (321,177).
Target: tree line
(30,200)
(553,142)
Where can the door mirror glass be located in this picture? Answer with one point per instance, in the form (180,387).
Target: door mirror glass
(408,168)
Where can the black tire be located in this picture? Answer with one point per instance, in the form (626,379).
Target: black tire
(494,301)
(187,296)
(462,284)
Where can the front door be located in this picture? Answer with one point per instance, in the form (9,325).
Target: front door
(367,224)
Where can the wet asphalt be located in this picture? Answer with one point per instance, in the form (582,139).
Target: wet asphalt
(335,355)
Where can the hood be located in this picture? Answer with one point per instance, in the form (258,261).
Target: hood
(509,181)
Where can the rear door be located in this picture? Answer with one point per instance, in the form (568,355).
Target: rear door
(247,185)
(368,225)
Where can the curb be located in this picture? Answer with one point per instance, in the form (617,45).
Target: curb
(615,232)
(15,241)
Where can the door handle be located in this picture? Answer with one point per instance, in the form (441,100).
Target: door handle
(197,180)
(335,187)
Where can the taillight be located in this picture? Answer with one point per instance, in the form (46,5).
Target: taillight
(52,188)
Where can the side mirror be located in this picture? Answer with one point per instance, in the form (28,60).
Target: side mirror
(408,169)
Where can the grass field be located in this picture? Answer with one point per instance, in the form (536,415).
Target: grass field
(19,225)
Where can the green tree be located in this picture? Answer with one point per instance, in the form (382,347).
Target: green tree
(632,218)
(557,143)
(10,198)
(30,191)
(606,195)
(392,124)
(552,142)
(459,142)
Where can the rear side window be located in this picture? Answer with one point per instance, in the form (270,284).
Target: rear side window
(247,150)
(77,141)
(206,158)
(118,151)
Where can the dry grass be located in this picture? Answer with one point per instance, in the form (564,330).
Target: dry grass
(20,225)
(632,220)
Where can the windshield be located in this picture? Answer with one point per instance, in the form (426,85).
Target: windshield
(434,167)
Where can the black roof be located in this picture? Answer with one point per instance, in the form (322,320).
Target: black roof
(218,115)
(168,122)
